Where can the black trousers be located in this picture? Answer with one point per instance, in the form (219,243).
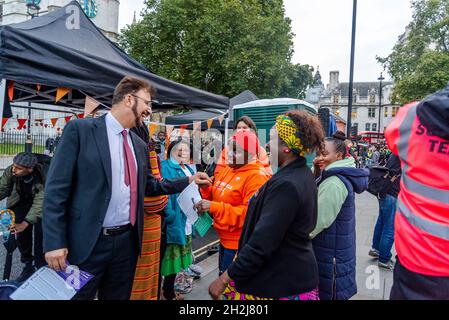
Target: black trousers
(408,285)
(26,244)
(113,264)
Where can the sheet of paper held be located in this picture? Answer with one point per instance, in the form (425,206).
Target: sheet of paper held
(187,199)
(47,284)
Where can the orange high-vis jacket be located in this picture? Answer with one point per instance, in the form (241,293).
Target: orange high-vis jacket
(229,196)
(422,217)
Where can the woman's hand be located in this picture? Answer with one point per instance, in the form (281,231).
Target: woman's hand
(217,287)
(318,165)
(317,162)
(202,207)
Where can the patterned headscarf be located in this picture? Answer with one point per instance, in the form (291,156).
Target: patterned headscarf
(290,135)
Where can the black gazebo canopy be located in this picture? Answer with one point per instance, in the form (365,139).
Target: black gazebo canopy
(59,50)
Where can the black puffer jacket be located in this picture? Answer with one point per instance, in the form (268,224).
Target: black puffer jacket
(433,112)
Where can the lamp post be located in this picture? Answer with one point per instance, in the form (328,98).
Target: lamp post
(29,140)
(381,78)
(33,8)
(351,72)
(33,11)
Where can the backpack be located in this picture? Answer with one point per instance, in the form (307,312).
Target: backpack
(7,288)
(380,181)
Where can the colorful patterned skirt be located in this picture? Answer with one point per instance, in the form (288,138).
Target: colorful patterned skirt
(231,293)
(177,257)
(146,279)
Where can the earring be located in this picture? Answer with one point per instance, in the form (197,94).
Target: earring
(287,150)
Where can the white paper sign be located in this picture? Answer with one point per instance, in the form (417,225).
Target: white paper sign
(47,284)
(187,199)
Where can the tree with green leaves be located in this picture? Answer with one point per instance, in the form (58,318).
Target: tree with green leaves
(419,63)
(222,46)
(297,81)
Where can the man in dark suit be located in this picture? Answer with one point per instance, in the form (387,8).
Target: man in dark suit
(93,205)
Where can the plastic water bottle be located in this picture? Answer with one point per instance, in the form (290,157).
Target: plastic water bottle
(5,223)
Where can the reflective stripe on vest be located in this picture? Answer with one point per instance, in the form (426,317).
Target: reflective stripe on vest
(434,228)
(426,191)
(431,193)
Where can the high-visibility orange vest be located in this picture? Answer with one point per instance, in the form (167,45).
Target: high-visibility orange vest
(422,217)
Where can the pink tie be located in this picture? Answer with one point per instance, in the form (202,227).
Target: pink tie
(130,177)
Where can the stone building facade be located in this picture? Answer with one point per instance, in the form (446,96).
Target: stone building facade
(365,113)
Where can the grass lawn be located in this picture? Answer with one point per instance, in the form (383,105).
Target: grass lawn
(11,149)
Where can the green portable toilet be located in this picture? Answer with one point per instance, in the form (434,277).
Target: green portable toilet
(265,112)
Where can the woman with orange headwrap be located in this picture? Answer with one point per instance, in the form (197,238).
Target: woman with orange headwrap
(245,123)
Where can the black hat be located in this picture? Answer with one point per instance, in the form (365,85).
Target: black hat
(25,159)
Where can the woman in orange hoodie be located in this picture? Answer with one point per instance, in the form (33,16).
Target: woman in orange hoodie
(244,123)
(227,199)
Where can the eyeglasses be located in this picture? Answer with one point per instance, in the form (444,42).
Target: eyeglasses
(148,103)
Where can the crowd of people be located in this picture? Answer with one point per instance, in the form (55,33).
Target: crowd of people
(369,155)
(110,205)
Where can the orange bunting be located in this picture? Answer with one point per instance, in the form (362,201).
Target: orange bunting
(53,121)
(61,93)
(4,121)
(152,128)
(11,91)
(209,123)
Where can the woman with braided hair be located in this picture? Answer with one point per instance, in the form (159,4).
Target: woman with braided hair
(275,259)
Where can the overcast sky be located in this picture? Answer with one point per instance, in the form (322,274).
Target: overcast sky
(323,32)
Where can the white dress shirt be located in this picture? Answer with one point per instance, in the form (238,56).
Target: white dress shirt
(119,205)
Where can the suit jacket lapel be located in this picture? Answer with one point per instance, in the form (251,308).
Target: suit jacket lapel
(101,139)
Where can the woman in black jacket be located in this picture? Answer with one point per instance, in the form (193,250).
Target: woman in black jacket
(275,259)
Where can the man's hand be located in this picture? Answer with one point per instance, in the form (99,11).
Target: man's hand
(201,179)
(217,287)
(18,228)
(56,259)
(202,206)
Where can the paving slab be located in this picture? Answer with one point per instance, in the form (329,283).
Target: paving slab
(373,283)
